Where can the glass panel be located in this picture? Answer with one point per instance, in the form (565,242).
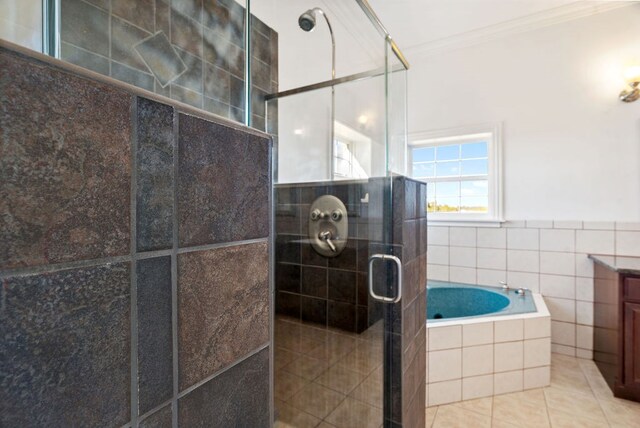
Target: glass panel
(424,154)
(423,170)
(475,188)
(475,167)
(447,169)
(474,150)
(448,204)
(448,152)
(474,204)
(451,188)
(21,22)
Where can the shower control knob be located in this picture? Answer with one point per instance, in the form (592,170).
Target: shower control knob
(316,214)
(336,215)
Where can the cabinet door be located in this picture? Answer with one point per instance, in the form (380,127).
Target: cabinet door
(632,344)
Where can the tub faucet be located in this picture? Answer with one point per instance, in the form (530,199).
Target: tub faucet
(522,291)
(505,286)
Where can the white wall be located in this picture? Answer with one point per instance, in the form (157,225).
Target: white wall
(21,22)
(571,148)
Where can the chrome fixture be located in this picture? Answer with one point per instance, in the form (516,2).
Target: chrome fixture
(522,291)
(385,257)
(328,226)
(505,286)
(632,77)
(307,22)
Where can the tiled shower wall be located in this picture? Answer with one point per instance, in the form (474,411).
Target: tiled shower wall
(330,291)
(134,258)
(189,50)
(548,257)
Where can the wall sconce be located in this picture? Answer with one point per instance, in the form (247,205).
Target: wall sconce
(632,76)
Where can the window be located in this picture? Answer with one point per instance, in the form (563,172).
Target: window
(343,159)
(462,172)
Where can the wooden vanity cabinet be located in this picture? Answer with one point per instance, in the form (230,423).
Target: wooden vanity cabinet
(617,329)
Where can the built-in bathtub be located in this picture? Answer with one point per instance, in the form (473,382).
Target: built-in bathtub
(484,341)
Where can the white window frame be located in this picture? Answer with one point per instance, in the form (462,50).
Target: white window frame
(492,134)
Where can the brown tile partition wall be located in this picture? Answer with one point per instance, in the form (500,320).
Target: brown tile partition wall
(134,269)
(188,50)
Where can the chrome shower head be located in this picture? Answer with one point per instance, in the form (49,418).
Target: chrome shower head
(307,21)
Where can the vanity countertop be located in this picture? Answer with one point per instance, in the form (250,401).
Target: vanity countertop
(625,265)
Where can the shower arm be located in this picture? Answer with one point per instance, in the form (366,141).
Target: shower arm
(333,41)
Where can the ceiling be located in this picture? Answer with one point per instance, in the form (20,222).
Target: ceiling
(421,25)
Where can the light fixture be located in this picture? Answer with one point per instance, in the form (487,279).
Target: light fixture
(363,119)
(298,131)
(632,77)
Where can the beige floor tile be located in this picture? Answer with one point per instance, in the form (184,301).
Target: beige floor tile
(316,400)
(521,409)
(282,357)
(290,417)
(369,391)
(353,413)
(326,425)
(621,413)
(483,406)
(560,419)
(572,379)
(287,384)
(340,379)
(361,361)
(296,343)
(584,405)
(496,423)
(451,416)
(306,367)
(430,416)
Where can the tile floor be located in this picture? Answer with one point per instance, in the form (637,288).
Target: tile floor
(328,378)
(578,397)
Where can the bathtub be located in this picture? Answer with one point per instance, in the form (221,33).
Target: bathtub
(484,341)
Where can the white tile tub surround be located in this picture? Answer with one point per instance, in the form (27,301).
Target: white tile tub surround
(549,257)
(479,357)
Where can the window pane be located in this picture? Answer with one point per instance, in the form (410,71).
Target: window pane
(431,197)
(424,154)
(447,188)
(424,169)
(474,150)
(448,205)
(475,167)
(343,167)
(447,169)
(474,188)
(342,150)
(474,204)
(448,152)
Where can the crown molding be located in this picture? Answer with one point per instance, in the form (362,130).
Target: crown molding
(554,16)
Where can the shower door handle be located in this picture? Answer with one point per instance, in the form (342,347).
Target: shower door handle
(385,257)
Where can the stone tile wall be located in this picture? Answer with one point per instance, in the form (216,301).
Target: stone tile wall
(189,50)
(119,306)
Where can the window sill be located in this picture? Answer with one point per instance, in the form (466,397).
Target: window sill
(465,223)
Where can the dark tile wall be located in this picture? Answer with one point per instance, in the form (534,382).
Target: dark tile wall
(111,315)
(328,291)
(407,319)
(189,50)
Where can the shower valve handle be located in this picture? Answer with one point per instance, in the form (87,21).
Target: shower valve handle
(326,237)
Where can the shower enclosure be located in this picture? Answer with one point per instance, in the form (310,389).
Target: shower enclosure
(349,342)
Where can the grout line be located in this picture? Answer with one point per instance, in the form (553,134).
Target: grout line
(174,270)
(219,245)
(240,360)
(134,274)
(49,268)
